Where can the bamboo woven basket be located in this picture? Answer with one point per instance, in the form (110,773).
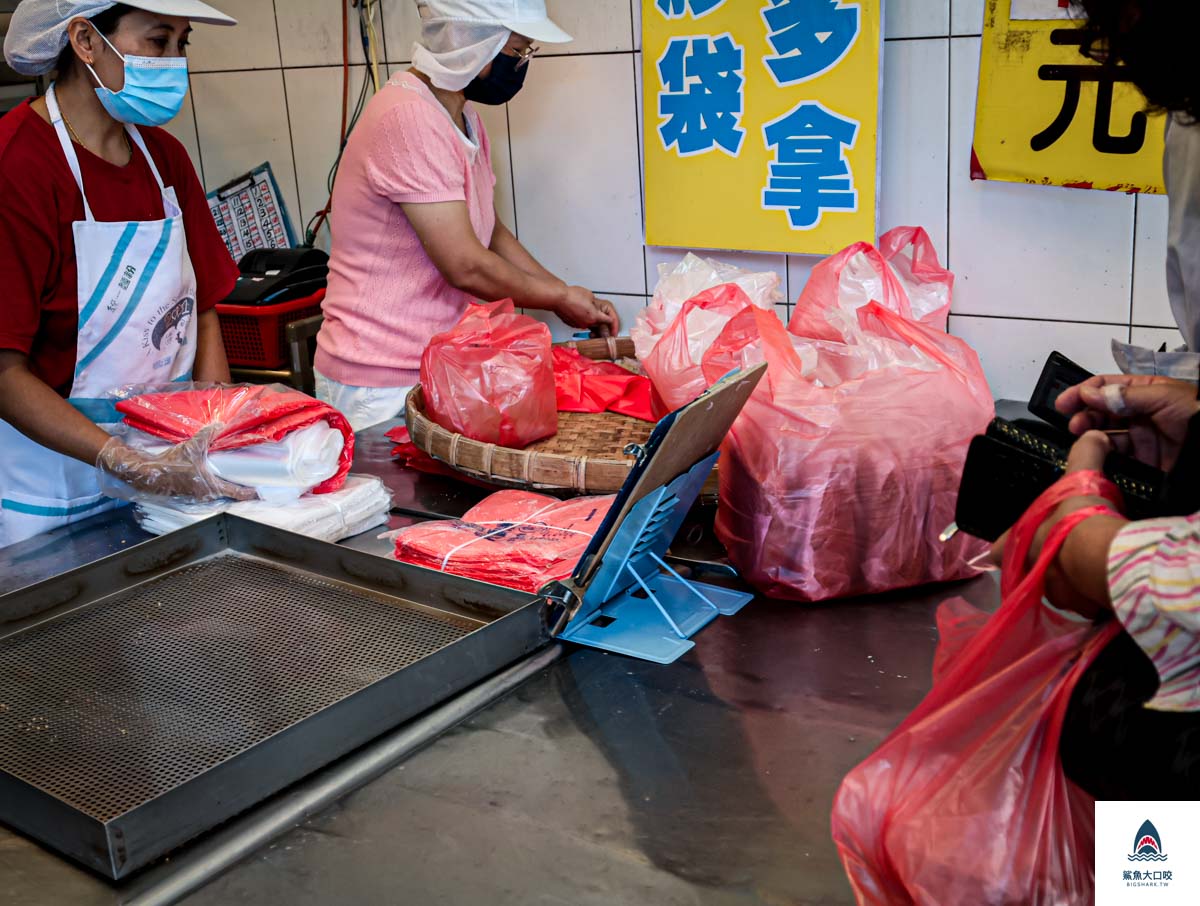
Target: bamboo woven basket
(586,456)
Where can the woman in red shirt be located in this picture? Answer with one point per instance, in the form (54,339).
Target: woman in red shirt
(105,235)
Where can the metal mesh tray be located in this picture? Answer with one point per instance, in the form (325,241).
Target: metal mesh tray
(159,692)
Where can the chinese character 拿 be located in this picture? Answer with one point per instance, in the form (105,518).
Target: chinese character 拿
(810,174)
(702,97)
(1073,77)
(677,9)
(809,37)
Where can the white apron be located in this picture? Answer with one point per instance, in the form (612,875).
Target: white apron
(137,324)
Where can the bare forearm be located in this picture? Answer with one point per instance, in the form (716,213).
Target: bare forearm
(1083,559)
(508,247)
(211,363)
(33,408)
(490,277)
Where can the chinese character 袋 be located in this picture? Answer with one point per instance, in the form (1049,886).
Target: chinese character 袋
(677,9)
(810,37)
(702,95)
(811,174)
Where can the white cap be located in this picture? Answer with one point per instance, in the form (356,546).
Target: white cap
(525,17)
(37,32)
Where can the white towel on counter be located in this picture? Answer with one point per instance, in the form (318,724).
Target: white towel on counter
(280,472)
(364,503)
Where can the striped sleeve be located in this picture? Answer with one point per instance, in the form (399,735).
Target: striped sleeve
(1154,582)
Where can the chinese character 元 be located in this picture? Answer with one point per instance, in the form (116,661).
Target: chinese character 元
(677,9)
(810,37)
(1073,77)
(1128,876)
(810,174)
(702,97)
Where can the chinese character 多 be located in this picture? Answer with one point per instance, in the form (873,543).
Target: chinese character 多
(809,37)
(677,9)
(1073,77)
(703,95)
(810,174)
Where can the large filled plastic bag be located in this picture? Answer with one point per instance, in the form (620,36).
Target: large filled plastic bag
(967,801)
(269,437)
(843,468)
(491,377)
(686,280)
(513,538)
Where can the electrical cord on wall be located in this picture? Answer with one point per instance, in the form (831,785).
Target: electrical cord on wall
(367,12)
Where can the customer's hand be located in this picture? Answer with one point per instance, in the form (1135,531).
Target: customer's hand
(1088,454)
(1155,410)
(181,471)
(580,308)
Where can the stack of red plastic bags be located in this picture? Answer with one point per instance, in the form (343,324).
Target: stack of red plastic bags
(513,538)
(843,469)
(244,416)
(300,448)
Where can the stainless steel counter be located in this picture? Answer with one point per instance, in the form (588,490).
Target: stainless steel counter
(598,780)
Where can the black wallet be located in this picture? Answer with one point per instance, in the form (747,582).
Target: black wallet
(1010,466)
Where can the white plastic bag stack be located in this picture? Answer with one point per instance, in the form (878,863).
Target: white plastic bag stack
(279,472)
(364,503)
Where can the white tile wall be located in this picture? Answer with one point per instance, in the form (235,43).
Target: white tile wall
(242,121)
(1150,305)
(575,160)
(1155,337)
(1013,351)
(1038,268)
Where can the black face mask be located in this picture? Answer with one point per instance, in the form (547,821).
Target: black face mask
(501,84)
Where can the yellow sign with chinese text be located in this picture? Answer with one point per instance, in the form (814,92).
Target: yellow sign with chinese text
(1048,115)
(761,123)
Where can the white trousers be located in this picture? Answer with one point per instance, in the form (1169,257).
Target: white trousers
(362,406)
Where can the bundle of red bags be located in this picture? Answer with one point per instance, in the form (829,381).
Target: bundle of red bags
(585,385)
(245,415)
(491,377)
(967,801)
(843,468)
(513,538)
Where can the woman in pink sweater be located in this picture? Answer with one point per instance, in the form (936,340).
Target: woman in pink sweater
(415,234)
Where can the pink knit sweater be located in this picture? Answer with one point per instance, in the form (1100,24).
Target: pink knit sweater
(386,299)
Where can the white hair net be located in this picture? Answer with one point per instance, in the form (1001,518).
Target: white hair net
(37,32)
(453,50)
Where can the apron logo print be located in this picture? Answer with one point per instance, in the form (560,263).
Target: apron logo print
(170,327)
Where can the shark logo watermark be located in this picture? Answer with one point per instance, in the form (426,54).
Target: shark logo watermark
(1147,846)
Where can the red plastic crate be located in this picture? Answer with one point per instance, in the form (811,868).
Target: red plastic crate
(255,336)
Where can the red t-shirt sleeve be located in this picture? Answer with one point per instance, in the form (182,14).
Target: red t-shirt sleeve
(216,272)
(28,252)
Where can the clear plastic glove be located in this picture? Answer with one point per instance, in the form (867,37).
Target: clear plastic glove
(181,471)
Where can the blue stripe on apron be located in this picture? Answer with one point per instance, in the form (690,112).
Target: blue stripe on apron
(109,275)
(52,511)
(143,284)
(104,411)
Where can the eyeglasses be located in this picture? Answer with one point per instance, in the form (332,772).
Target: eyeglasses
(524,56)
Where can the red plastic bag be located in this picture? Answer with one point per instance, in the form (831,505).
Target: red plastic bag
(967,802)
(248,414)
(513,538)
(675,363)
(843,468)
(585,385)
(491,377)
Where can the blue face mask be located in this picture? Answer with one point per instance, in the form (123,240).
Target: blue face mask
(154,89)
